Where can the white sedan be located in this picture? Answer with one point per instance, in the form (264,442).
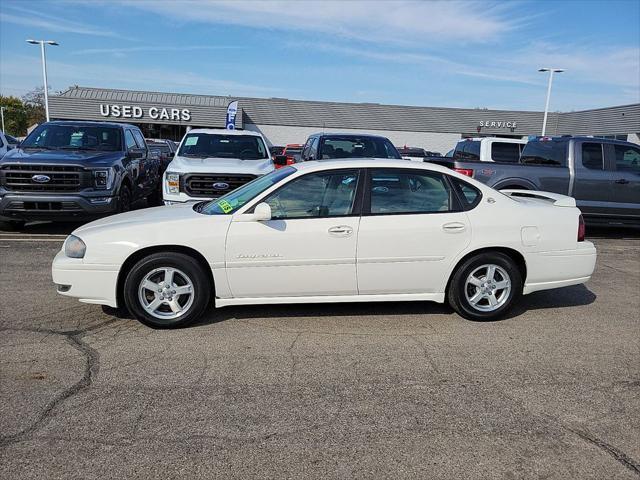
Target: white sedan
(357,230)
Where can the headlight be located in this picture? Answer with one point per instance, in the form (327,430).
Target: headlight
(74,247)
(103,179)
(173,182)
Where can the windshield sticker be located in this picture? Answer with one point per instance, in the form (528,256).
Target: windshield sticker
(191,141)
(225,206)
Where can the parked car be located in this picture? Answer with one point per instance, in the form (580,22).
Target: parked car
(212,162)
(416,154)
(489,149)
(356,230)
(7,142)
(323,146)
(163,150)
(603,175)
(293,152)
(68,170)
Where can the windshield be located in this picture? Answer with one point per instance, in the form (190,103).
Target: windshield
(234,200)
(218,145)
(357,147)
(545,152)
(74,137)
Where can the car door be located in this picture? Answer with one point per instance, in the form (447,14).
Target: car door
(149,166)
(308,248)
(411,229)
(625,194)
(592,186)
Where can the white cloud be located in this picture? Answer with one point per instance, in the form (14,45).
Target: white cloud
(404,21)
(157,49)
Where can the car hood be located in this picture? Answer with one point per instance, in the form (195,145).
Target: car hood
(18,155)
(220,165)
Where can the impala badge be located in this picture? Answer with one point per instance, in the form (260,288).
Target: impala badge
(41,178)
(220,186)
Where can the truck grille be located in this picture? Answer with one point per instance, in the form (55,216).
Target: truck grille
(62,178)
(200,185)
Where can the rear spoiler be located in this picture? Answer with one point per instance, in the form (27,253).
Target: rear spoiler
(557,199)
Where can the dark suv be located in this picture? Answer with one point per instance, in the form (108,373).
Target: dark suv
(67,170)
(322,146)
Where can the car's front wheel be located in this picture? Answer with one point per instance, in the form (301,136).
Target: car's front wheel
(167,290)
(485,286)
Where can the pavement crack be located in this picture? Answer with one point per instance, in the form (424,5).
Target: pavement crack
(616,453)
(76,339)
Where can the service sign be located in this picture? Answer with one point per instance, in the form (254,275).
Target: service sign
(154,113)
(497,124)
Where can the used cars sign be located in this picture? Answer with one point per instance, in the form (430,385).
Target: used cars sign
(135,111)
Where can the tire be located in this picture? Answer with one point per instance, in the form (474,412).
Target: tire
(124,200)
(172,310)
(481,298)
(12,225)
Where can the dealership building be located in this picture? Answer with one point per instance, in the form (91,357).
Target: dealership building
(282,121)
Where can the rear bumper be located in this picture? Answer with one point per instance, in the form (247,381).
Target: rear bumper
(55,207)
(89,283)
(547,270)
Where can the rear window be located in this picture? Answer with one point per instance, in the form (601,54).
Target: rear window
(357,147)
(219,145)
(505,152)
(545,152)
(467,150)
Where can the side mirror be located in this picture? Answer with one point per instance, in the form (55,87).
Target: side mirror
(135,154)
(262,212)
(280,160)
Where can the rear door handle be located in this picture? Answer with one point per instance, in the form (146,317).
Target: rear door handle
(454,227)
(622,181)
(341,231)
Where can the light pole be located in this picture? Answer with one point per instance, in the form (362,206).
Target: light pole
(2,116)
(44,69)
(546,107)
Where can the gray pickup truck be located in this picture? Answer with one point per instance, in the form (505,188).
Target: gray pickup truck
(602,175)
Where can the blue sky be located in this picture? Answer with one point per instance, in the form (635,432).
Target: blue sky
(450,54)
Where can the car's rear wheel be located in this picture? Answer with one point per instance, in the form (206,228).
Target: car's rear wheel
(485,286)
(167,290)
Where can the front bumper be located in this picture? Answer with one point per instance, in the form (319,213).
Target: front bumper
(547,270)
(89,283)
(55,207)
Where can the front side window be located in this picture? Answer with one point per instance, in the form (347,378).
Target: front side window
(219,145)
(409,191)
(505,152)
(627,158)
(322,194)
(234,200)
(592,157)
(74,137)
(357,147)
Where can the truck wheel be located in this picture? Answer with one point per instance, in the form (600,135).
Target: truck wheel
(485,286)
(167,290)
(124,202)
(12,225)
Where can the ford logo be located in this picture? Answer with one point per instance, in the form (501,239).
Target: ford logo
(220,186)
(41,178)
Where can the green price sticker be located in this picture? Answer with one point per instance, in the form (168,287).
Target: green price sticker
(225,206)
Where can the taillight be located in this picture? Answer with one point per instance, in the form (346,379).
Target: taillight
(465,171)
(581,229)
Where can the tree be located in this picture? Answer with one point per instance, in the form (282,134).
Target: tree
(33,102)
(16,115)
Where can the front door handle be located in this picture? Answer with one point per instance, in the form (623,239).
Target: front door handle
(454,227)
(622,181)
(341,231)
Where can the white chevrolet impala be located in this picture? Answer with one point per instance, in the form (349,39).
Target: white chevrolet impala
(357,230)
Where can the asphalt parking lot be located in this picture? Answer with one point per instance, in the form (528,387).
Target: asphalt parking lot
(330,391)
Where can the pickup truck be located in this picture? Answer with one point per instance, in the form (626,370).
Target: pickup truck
(603,175)
(68,171)
(489,149)
(212,162)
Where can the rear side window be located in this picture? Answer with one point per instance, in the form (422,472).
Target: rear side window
(469,195)
(395,191)
(129,140)
(627,158)
(139,139)
(592,157)
(505,152)
(545,152)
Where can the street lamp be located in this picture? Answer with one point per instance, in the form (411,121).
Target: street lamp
(44,69)
(546,107)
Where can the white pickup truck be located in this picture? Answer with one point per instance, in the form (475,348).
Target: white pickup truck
(212,162)
(489,149)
